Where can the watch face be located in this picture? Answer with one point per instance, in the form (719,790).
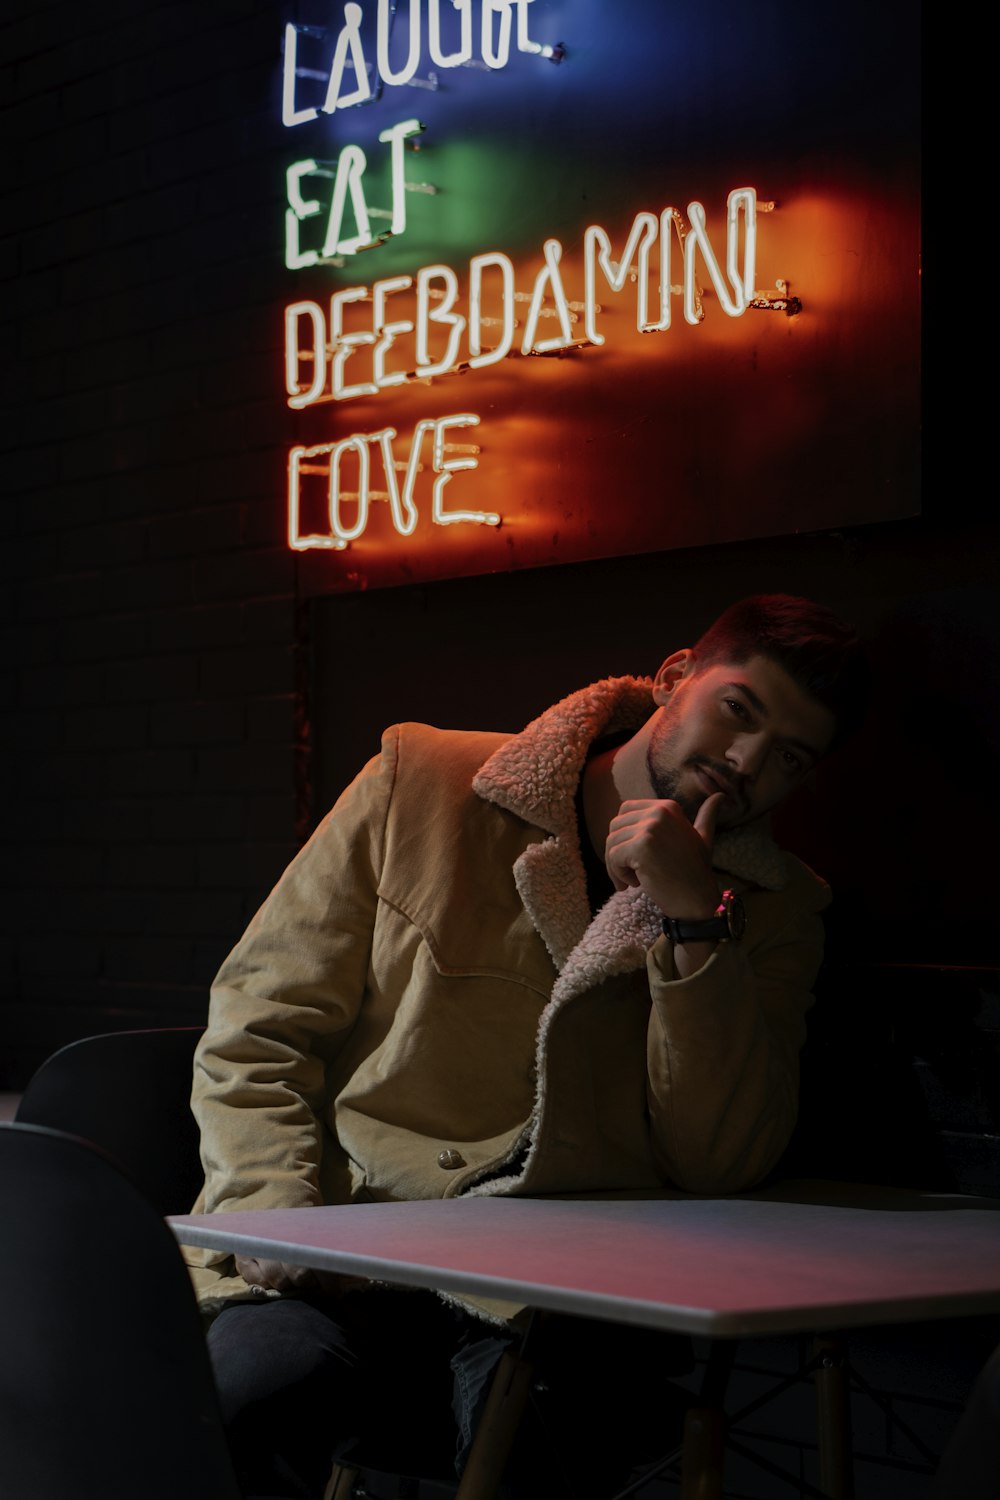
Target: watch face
(736,913)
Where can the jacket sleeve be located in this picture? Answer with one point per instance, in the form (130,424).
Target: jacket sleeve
(723,1045)
(283,1004)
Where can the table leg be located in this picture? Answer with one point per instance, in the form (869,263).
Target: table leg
(701,1459)
(833,1418)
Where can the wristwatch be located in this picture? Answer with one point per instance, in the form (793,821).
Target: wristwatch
(728,924)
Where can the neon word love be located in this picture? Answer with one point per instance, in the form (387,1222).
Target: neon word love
(303,461)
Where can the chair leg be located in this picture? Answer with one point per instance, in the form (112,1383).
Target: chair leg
(497,1427)
(702,1456)
(701,1460)
(340,1485)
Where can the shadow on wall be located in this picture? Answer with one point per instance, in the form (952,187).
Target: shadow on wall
(904,821)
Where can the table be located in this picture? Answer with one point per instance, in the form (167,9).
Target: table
(796,1257)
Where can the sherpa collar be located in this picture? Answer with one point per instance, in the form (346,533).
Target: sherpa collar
(535,775)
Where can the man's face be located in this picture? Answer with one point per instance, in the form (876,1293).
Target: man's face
(748,731)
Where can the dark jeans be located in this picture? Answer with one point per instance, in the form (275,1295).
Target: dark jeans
(395,1380)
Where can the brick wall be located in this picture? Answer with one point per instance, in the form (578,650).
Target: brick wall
(150,670)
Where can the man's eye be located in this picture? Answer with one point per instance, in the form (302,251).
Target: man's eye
(790,760)
(738,708)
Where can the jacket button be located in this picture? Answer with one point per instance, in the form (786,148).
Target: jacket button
(450,1159)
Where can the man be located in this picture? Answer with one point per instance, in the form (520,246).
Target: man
(570,959)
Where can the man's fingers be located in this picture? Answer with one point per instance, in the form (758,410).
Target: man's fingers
(706,818)
(273,1273)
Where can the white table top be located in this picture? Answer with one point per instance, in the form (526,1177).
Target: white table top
(796,1257)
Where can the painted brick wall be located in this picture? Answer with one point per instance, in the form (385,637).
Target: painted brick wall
(149,665)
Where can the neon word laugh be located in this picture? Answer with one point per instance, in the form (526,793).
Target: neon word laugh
(493,39)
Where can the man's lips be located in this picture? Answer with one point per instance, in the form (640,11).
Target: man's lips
(713,782)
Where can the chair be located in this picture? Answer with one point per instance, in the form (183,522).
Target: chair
(105,1385)
(129,1093)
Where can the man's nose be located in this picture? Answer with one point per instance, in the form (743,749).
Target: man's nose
(747,754)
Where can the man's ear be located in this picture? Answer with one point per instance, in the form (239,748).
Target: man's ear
(681,664)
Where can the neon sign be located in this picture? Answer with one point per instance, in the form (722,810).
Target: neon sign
(401,502)
(328,347)
(494,43)
(393,331)
(348,179)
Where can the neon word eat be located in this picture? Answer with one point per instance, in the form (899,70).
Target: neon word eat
(493,40)
(348,181)
(302,461)
(326,349)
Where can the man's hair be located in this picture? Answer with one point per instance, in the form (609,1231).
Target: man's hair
(817,649)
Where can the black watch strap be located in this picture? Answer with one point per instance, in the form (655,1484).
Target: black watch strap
(727,925)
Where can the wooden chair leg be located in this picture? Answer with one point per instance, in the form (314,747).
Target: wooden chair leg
(341,1483)
(497,1428)
(701,1458)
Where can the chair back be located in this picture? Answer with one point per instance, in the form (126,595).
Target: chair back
(106,1389)
(128,1092)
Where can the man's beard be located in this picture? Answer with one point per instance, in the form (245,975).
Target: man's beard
(665,777)
(665,786)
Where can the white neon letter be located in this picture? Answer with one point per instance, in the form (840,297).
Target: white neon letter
(396,135)
(697,238)
(344,344)
(524,42)
(387,332)
(442,313)
(359,442)
(444,468)
(550,276)
(449,59)
(413,56)
(351,165)
(404,512)
(745,198)
(597,250)
(349,38)
(299,208)
(506,269)
(289,114)
(296,468)
(496,57)
(298,395)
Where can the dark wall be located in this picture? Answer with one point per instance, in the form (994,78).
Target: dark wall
(148,601)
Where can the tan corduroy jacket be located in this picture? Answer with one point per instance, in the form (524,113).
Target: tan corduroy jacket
(423,1007)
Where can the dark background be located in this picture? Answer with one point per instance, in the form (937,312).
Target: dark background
(183,696)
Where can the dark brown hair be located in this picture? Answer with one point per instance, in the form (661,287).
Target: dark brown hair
(818,650)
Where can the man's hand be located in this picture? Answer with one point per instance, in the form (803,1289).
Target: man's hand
(652,845)
(281,1277)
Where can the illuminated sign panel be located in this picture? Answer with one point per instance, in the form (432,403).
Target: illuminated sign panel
(470,256)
